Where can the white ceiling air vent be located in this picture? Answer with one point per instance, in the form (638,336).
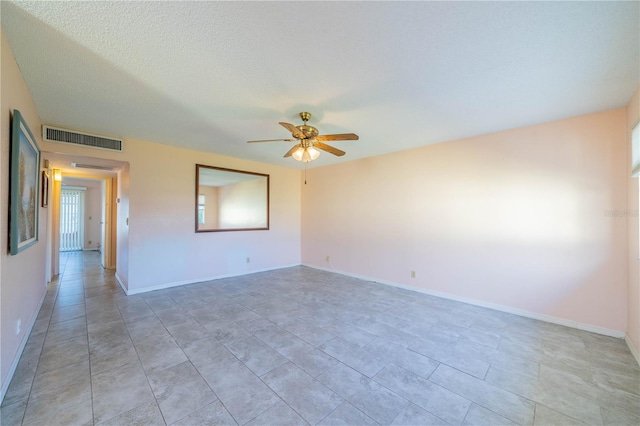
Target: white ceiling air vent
(55,134)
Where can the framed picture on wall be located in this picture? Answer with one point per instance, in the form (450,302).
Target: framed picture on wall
(24,182)
(44,193)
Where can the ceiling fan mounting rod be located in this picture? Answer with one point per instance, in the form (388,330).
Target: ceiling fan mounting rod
(306,116)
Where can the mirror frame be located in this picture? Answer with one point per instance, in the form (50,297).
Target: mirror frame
(202,166)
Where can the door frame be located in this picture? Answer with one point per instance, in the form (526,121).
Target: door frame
(108,257)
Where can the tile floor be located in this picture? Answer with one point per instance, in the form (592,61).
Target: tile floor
(301,346)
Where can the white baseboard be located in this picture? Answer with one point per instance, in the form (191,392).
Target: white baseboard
(119,281)
(496,307)
(199,280)
(632,348)
(23,343)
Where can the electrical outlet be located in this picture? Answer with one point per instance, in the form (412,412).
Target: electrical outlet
(413,274)
(248,260)
(18,326)
(89,242)
(328,259)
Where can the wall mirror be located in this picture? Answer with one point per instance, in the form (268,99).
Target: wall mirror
(231,200)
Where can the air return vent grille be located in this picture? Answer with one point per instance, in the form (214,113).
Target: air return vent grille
(54,134)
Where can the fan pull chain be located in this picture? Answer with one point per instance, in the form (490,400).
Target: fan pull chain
(305,173)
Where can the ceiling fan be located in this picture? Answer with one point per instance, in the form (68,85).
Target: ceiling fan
(309,141)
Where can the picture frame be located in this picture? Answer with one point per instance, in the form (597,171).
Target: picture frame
(231,200)
(44,193)
(24,179)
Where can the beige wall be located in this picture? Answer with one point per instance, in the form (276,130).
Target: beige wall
(633,295)
(516,219)
(22,277)
(245,202)
(164,201)
(210,206)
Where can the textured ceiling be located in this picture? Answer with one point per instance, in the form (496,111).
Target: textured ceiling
(212,75)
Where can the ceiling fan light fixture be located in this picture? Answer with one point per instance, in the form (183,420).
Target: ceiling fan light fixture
(297,154)
(306,154)
(313,153)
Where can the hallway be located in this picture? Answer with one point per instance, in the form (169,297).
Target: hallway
(58,347)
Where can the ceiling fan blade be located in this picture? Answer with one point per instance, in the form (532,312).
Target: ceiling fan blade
(273,140)
(329,149)
(293,129)
(291,151)
(338,137)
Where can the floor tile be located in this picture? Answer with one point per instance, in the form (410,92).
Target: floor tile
(11,415)
(547,417)
(119,390)
(61,395)
(256,355)
(403,357)
(507,404)
(433,398)
(212,414)
(347,415)
(612,416)
(447,354)
(521,384)
(65,313)
(413,415)
(93,352)
(226,331)
(206,354)
(279,414)
(310,359)
(309,333)
(308,397)
(158,353)
(569,395)
(243,394)
(480,416)
(173,316)
(145,415)
(354,356)
(187,332)
(74,414)
(71,299)
(179,391)
(63,353)
(59,332)
(22,380)
(363,393)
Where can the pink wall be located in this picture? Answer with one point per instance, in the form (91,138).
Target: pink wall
(22,277)
(516,219)
(633,296)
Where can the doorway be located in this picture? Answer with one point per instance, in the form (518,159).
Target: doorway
(72,219)
(98,180)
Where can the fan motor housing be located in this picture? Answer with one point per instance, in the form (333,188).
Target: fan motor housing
(309,131)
